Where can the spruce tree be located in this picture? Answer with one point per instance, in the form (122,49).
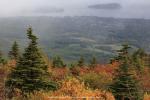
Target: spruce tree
(93,62)
(14,52)
(31,73)
(2,60)
(58,62)
(125,86)
(80,62)
(138,59)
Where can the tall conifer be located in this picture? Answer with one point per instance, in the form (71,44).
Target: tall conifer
(14,52)
(2,60)
(80,62)
(93,62)
(31,73)
(125,85)
(58,62)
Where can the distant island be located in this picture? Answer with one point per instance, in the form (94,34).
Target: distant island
(110,6)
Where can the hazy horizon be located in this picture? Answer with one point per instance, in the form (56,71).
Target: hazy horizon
(128,9)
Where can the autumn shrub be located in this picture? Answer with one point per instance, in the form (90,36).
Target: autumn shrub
(73,88)
(145,80)
(97,81)
(4,71)
(147,96)
(39,95)
(2,84)
(109,69)
(59,74)
(75,71)
(84,70)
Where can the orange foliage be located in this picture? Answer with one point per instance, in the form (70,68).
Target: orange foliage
(145,79)
(72,88)
(108,68)
(146,97)
(59,73)
(11,63)
(2,84)
(84,70)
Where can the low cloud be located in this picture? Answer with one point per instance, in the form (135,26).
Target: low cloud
(102,8)
(48,10)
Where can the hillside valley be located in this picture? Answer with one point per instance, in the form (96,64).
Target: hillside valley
(72,37)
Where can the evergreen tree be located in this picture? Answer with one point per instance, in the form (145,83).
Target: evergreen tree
(31,73)
(93,62)
(146,60)
(58,62)
(2,60)
(14,53)
(138,59)
(81,62)
(125,85)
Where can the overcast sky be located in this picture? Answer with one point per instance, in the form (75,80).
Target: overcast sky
(130,8)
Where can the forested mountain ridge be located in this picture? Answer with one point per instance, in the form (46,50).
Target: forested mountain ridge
(89,36)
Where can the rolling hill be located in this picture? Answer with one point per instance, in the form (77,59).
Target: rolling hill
(71,37)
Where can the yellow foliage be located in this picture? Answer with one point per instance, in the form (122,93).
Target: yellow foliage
(146,97)
(39,96)
(72,88)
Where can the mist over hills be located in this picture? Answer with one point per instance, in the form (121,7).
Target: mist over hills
(71,37)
